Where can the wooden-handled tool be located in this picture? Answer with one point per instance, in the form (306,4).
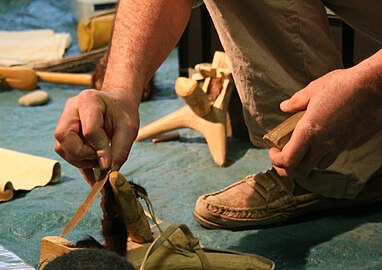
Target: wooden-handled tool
(25,78)
(280,135)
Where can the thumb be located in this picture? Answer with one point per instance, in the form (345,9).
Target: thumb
(104,157)
(99,141)
(92,125)
(298,102)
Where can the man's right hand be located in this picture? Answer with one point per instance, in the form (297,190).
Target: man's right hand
(97,129)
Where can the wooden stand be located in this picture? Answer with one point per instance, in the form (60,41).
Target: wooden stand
(205,111)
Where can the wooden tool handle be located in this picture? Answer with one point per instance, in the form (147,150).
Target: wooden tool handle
(280,135)
(65,78)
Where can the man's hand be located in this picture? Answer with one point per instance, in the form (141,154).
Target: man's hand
(343,110)
(97,129)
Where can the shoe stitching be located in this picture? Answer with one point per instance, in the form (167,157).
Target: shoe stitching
(285,202)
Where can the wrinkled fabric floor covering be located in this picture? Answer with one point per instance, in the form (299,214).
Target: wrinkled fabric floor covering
(174,173)
(9,260)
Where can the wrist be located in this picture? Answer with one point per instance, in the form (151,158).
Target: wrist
(123,97)
(368,75)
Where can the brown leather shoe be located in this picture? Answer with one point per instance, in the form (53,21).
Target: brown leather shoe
(266,198)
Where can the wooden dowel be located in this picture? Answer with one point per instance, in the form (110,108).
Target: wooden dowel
(65,78)
(169,136)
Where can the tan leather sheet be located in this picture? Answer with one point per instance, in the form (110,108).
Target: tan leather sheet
(20,171)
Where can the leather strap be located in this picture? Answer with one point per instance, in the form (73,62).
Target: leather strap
(193,245)
(84,207)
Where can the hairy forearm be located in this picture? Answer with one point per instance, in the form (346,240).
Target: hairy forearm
(144,34)
(369,75)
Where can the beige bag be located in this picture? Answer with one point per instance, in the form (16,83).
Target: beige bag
(95,32)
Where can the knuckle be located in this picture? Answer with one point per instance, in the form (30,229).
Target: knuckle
(310,128)
(77,151)
(87,94)
(283,163)
(288,163)
(58,149)
(89,132)
(59,135)
(71,103)
(329,144)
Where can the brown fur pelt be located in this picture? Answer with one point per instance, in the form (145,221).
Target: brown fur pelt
(114,231)
(99,74)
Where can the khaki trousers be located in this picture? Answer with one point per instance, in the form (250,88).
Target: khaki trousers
(277,48)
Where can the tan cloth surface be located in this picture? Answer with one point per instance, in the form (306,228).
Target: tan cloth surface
(20,171)
(32,46)
(277,48)
(274,52)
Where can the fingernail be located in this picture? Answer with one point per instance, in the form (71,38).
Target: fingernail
(103,159)
(103,163)
(285,102)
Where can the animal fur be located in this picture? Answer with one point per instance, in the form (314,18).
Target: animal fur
(89,259)
(114,231)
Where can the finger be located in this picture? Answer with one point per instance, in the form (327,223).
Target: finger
(92,120)
(282,169)
(294,151)
(91,163)
(80,164)
(73,144)
(306,165)
(282,172)
(69,138)
(299,101)
(123,138)
(313,158)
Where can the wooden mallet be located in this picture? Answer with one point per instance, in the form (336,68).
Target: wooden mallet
(25,78)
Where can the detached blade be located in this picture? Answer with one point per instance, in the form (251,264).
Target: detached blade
(81,211)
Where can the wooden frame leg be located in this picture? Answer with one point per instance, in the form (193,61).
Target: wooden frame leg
(210,122)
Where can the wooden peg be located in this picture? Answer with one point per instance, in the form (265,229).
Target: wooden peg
(168,136)
(193,95)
